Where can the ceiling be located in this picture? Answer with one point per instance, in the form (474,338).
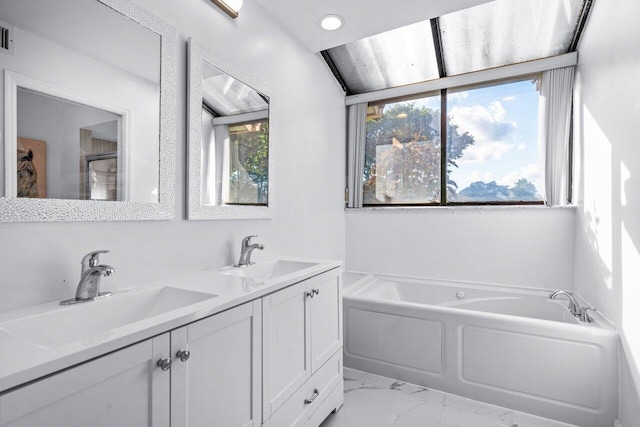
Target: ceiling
(362,18)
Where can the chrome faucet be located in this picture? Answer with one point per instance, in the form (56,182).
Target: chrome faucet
(90,274)
(574,307)
(245,251)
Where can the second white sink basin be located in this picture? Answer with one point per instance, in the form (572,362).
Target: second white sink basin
(92,321)
(268,270)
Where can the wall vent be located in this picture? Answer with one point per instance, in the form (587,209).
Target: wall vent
(6,38)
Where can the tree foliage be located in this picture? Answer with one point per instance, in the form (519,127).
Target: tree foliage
(402,155)
(250,179)
(479,191)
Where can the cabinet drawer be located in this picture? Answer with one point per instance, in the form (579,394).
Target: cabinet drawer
(296,410)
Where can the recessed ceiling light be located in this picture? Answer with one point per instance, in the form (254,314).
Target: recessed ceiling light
(331,22)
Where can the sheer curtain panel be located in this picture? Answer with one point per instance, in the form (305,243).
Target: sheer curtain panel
(356,139)
(556,93)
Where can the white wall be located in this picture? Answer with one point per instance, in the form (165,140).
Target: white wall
(607,107)
(41,262)
(512,246)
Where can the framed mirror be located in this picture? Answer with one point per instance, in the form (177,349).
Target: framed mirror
(230,160)
(88,117)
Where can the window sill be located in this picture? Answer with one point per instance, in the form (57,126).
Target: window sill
(405,209)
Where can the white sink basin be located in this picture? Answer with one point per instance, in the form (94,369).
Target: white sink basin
(92,321)
(263,271)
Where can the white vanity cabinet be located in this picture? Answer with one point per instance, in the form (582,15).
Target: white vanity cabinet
(218,381)
(302,349)
(272,361)
(125,387)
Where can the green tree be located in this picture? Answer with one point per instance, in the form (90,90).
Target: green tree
(480,191)
(253,156)
(402,155)
(485,192)
(524,190)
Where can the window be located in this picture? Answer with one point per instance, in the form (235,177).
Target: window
(248,163)
(235,160)
(490,141)
(402,152)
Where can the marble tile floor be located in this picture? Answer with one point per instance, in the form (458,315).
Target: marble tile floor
(374,401)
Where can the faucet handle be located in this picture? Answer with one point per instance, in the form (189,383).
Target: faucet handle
(584,315)
(247,240)
(92,259)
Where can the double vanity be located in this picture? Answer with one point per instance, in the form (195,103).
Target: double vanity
(259,345)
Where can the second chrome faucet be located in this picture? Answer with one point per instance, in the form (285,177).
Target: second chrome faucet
(245,251)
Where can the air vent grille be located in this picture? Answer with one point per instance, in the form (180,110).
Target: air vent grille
(4,38)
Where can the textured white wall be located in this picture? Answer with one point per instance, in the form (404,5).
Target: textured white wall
(607,260)
(40,262)
(521,247)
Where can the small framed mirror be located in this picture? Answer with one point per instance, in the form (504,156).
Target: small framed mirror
(230,140)
(88,128)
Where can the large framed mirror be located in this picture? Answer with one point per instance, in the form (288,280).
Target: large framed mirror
(231,129)
(88,117)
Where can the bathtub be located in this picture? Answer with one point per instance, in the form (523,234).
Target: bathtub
(502,345)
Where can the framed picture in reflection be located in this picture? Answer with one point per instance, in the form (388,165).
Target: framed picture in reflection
(32,168)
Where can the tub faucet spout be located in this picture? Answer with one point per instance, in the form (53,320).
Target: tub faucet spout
(574,306)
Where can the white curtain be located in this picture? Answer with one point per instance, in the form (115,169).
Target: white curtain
(207,167)
(356,139)
(556,92)
(214,140)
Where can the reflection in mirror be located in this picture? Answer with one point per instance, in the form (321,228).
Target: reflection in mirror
(75,134)
(235,144)
(230,161)
(82,108)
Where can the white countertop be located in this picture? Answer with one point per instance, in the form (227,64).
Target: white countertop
(22,361)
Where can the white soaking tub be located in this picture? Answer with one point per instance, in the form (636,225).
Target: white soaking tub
(506,346)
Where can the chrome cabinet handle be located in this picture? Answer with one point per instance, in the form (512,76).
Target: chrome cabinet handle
(312,293)
(164,364)
(313,397)
(183,355)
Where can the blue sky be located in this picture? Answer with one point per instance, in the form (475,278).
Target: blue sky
(504,122)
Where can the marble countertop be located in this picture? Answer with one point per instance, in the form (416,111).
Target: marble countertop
(22,361)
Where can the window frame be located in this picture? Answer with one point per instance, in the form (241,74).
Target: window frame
(443,92)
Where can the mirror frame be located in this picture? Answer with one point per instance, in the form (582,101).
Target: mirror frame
(195,210)
(13,209)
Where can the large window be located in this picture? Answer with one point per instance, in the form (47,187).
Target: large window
(488,152)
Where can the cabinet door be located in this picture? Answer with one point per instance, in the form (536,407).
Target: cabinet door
(326,316)
(287,358)
(219,384)
(122,388)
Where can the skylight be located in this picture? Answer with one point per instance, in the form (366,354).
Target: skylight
(395,58)
(507,32)
(494,34)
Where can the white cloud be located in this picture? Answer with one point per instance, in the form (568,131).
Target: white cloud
(509,98)
(489,125)
(521,146)
(457,96)
(475,176)
(530,172)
